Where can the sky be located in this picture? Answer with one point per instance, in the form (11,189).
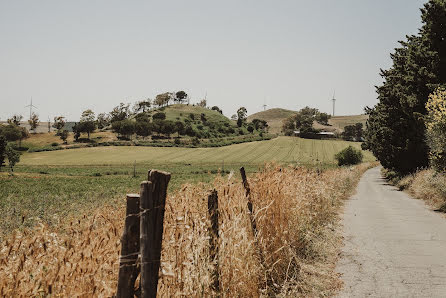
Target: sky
(69,56)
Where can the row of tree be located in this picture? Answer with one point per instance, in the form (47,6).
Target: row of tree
(396,128)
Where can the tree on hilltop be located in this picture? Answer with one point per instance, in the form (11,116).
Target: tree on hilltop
(34,121)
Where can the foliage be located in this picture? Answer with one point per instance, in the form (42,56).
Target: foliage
(15,120)
(120,113)
(142,106)
(395,130)
(76,131)
(215,108)
(180,96)
(13,157)
(323,118)
(87,122)
(202,103)
(103,120)
(259,124)
(124,128)
(163,99)
(302,121)
(159,116)
(241,115)
(3,144)
(349,156)
(436,129)
(34,121)
(64,136)
(143,128)
(59,123)
(353,132)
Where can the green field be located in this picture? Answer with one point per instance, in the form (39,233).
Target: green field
(54,186)
(281,149)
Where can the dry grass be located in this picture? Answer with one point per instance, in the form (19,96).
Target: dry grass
(297,213)
(427,185)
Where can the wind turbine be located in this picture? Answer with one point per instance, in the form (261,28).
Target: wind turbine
(31,106)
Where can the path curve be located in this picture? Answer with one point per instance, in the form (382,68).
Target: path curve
(394,245)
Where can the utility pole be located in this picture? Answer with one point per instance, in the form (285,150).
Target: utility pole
(49,124)
(334,101)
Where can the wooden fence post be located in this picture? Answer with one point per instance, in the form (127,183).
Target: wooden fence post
(128,271)
(153,200)
(269,280)
(213,239)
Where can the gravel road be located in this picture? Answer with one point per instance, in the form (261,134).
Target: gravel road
(395,246)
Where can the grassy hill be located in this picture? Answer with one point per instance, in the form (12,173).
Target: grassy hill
(342,121)
(274,117)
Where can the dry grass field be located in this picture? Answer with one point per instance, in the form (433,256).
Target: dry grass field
(297,213)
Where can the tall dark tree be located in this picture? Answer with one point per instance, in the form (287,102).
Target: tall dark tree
(396,129)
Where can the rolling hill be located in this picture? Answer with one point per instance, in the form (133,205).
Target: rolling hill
(275,118)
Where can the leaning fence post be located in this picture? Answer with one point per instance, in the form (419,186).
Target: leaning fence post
(128,271)
(153,200)
(213,239)
(269,280)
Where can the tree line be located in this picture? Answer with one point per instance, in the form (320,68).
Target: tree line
(400,130)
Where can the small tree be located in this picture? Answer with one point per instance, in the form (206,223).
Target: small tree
(142,106)
(202,103)
(103,120)
(250,128)
(180,96)
(3,144)
(215,108)
(15,120)
(143,128)
(179,128)
(120,112)
(349,156)
(241,116)
(13,157)
(76,131)
(59,123)
(34,122)
(64,136)
(87,122)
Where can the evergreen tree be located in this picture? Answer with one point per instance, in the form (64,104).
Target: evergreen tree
(396,129)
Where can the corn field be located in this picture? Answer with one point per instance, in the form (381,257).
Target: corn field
(297,217)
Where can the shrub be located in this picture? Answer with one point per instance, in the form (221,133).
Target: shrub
(349,156)
(436,129)
(54,144)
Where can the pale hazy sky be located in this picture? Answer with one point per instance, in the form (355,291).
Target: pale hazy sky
(76,55)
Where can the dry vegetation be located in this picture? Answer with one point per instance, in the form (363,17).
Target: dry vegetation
(427,185)
(297,213)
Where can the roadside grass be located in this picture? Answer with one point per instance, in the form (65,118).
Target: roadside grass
(427,185)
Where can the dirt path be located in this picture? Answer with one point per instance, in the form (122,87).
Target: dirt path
(394,245)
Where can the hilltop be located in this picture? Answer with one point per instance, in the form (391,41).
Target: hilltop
(274,117)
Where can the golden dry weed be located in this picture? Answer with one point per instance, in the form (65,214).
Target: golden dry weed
(297,216)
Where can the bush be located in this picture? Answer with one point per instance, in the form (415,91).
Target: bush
(349,156)
(54,144)
(436,129)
